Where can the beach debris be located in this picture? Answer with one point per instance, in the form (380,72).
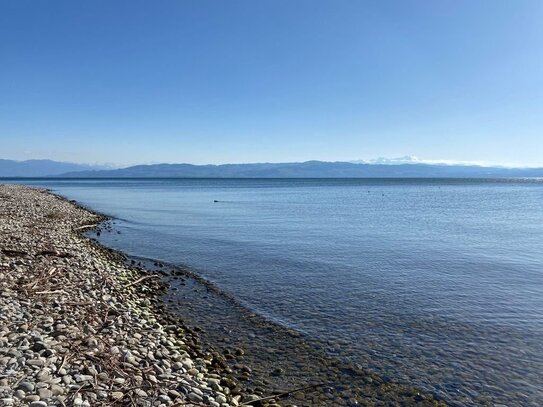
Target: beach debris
(54,253)
(80,327)
(14,253)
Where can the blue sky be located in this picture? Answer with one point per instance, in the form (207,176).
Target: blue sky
(273,80)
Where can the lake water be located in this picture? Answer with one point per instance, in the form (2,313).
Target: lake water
(433,282)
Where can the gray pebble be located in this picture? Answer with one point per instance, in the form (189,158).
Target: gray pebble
(27,387)
(19,394)
(195,397)
(45,394)
(44,376)
(116,395)
(35,362)
(83,378)
(140,393)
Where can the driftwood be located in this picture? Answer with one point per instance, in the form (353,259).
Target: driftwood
(139,280)
(51,292)
(85,227)
(279,395)
(21,253)
(54,253)
(14,253)
(40,281)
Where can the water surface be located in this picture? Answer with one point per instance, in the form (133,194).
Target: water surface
(433,282)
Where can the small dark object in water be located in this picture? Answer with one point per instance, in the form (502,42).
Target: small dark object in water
(215,200)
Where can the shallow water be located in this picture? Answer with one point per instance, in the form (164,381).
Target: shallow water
(437,283)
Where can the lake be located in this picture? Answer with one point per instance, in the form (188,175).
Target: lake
(433,282)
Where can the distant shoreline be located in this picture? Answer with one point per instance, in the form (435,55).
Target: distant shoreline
(361,179)
(307,169)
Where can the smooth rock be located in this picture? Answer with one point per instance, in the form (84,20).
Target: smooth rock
(44,376)
(45,394)
(140,393)
(116,395)
(19,394)
(35,362)
(195,397)
(27,387)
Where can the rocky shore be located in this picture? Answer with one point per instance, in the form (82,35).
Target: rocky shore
(81,325)
(78,327)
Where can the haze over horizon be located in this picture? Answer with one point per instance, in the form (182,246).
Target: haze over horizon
(407,159)
(131,82)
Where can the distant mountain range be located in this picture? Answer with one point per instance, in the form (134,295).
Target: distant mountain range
(42,168)
(308,169)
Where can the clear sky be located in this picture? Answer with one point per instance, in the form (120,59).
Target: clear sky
(220,81)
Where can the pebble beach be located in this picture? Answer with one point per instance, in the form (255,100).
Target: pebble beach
(81,326)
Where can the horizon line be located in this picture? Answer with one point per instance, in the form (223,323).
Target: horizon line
(405,160)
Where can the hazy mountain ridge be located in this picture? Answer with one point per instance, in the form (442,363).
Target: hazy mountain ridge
(41,168)
(308,169)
